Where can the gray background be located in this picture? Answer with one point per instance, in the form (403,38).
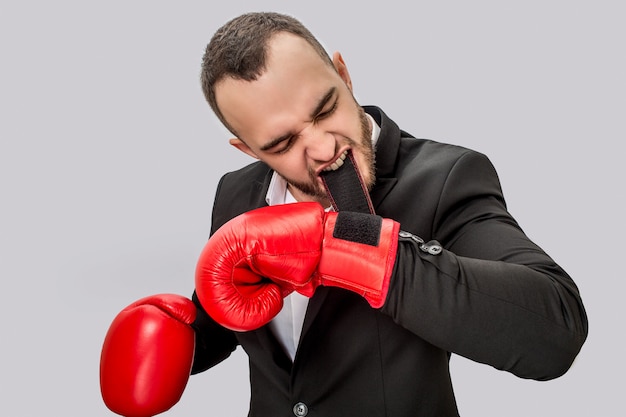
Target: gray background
(109,160)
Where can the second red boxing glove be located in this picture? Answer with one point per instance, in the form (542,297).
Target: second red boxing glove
(257,258)
(147,355)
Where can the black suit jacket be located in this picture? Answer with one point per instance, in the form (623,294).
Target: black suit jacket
(491,295)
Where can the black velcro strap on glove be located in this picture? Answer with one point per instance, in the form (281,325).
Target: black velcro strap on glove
(358,227)
(346,190)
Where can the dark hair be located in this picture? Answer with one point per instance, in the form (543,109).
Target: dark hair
(239,49)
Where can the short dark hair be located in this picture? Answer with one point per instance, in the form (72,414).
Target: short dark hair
(239,50)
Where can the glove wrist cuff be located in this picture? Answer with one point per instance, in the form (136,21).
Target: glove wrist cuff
(358,254)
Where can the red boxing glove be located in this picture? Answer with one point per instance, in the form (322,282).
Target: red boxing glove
(147,356)
(257,258)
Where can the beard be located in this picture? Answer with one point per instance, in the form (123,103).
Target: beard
(363,145)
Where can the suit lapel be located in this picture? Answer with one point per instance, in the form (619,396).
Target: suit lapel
(388,143)
(268,340)
(315,304)
(382,187)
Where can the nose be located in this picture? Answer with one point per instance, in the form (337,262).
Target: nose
(320,145)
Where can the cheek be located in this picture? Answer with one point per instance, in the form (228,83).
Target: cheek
(348,123)
(289,167)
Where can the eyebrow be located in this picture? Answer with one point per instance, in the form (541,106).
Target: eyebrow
(329,94)
(320,105)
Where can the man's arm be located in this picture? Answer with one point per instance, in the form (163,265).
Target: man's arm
(214,343)
(491,294)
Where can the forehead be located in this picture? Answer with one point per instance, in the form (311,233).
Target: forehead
(295,78)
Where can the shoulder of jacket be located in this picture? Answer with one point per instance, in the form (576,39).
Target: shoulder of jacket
(239,191)
(437,153)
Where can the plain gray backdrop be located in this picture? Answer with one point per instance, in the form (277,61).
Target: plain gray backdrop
(110,157)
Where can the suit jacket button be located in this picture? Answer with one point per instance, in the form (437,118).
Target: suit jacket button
(300,409)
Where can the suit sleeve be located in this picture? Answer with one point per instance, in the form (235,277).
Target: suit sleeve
(491,294)
(214,343)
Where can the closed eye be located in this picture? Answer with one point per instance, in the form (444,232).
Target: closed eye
(277,143)
(327,113)
(285,145)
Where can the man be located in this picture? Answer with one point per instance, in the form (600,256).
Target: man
(337,322)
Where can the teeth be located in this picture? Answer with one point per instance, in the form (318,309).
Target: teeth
(339,162)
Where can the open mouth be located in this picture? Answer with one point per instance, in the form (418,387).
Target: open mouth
(344,187)
(338,163)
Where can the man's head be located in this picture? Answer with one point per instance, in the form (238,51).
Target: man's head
(239,50)
(290,105)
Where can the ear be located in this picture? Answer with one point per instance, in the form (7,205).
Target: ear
(239,144)
(342,69)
